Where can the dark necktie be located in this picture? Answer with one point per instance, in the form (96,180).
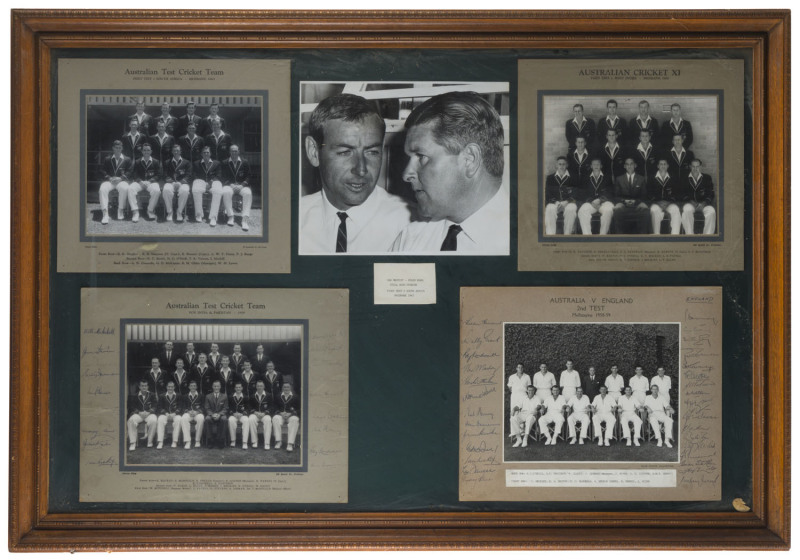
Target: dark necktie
(341,235)
(450,243)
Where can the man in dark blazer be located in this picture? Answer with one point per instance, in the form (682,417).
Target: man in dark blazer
(170,409)
(676,125)
(206,125)
(597,193)
(189,118)
(227,376)
(630,194)
(591,383)
(698,196)
(645,156)
(206,173)
(579,161)
(261,412)
(168,356)
(114,174)
(143,120)
(561,197)
(643,121)
(249,378)
(181,377)
(612,122)
(664,190)
(214,358)
(219,142)
(190,356)
(162,143)
(235,177)
(170,122)
(156,378)
(579,125)
(192,145)
(216,415)
(193,407)
(273,381)
(287,411)
(147,175)
(132,141)
(679,158)
(238,414)
(142,408)
(259,360)
(203,374)
(237,359)
(613,156)
(177,177)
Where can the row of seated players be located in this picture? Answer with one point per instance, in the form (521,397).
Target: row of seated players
(214,412)
(604,409)
(571,381)
(176,126)
(172,177)
(638,185)
(627,132)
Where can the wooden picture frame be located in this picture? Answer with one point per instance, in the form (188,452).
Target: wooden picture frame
(36,35)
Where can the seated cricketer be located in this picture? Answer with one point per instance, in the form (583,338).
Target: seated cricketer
(350,214)
(116,171)
(554,406)
(523,416)
(235,174)
(454,142)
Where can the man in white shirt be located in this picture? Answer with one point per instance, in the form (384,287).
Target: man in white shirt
(615,383)
(523,415)
(518,384)
(580,406)
(350,214)
(543,382)
(569,381)
(663,381)
(603,409)
(639,385)
(658,412)
(454,142)
(628,413)
(554,406)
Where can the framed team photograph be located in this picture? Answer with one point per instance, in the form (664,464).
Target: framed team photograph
(193,368)
(187,394)
(171,165)
(614,389)
(366,185)
(639,164)
(211,396)
(174,164)
(609,394)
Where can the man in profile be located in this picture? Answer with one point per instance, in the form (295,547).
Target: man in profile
(116,171)
(350,213)
(454,142)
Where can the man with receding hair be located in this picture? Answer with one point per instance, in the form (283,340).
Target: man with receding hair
(351,213)
(454,142)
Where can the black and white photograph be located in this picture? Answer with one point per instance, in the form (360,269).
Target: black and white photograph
(174,164)
(212,394)
(591,392)
(640,164)
(404,167)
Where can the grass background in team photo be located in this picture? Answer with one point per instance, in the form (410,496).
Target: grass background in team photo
(598,345)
